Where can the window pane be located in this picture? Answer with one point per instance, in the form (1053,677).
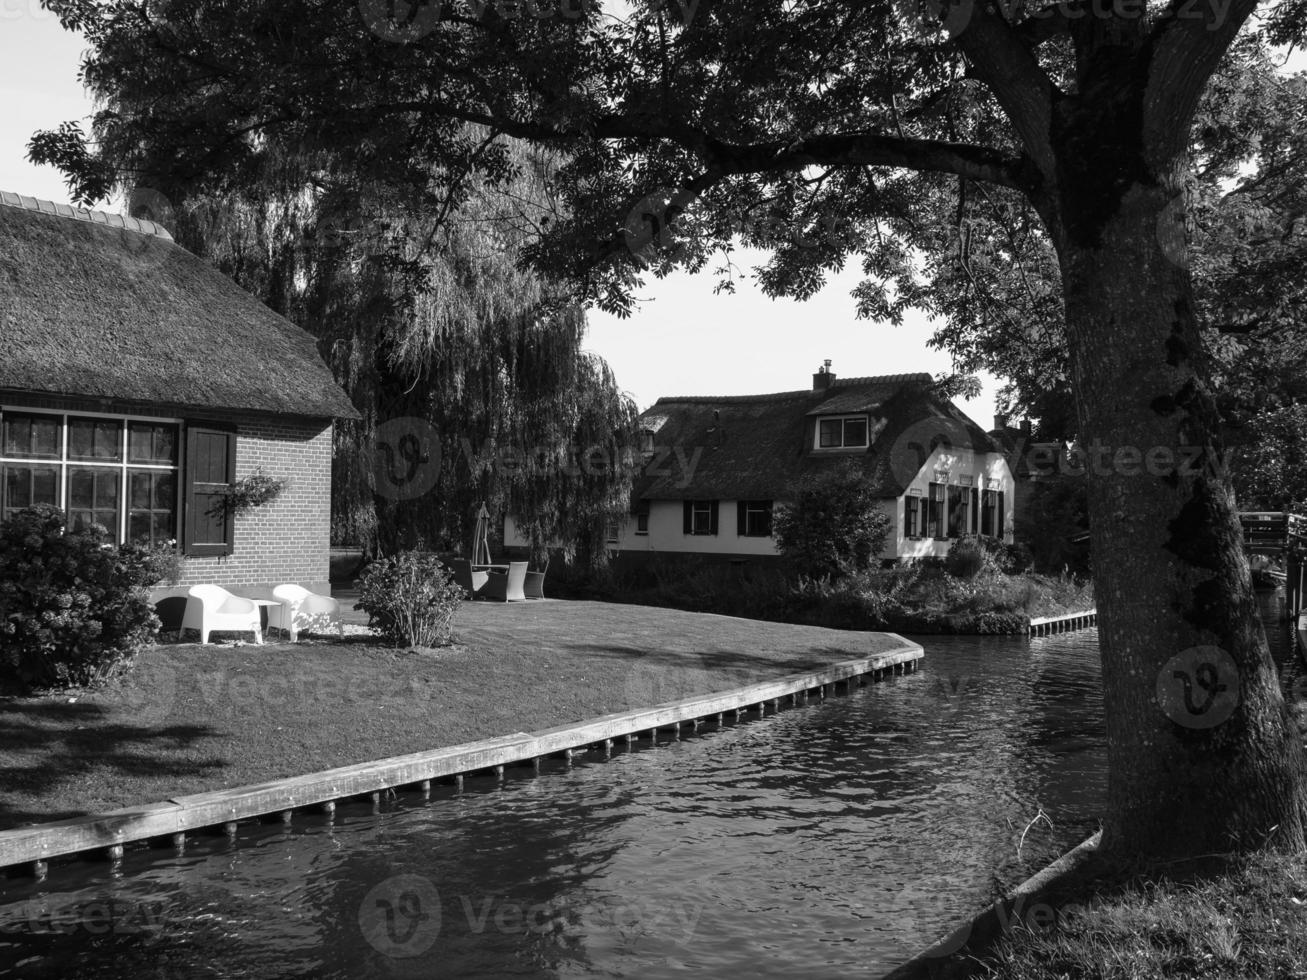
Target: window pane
(149,442)
(153,513)
(830,433)
(27,486)
(855,432)
(99,439)
(31,435)
(93,499)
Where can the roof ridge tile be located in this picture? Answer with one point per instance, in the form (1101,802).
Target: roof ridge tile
(71,213)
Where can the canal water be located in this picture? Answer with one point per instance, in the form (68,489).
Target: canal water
(832,840)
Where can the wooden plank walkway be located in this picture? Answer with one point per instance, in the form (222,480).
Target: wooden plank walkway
(1044,625)
(31,848)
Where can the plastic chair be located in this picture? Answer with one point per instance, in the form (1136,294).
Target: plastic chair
(299,604)
(534,586)
(506,586)
(211,607)
(472,580)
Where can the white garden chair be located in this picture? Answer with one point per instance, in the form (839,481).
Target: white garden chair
(211,607)
(299,605)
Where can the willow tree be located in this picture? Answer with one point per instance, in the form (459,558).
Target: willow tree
(821,130)
(468,369)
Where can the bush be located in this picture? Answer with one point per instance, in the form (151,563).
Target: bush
(967,558)
(410,599)
(74,609)
(834,527)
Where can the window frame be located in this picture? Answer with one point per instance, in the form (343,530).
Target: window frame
(692,510)
(746,509)
(64,462)
(843,421)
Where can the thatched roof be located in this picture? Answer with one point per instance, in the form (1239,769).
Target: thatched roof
(757,447)
(108,307)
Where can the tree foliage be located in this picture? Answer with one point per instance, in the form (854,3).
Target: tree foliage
(832,525)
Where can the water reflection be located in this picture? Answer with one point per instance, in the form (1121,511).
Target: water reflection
(831,840)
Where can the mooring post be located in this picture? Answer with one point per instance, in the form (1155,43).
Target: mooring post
(328,807)
(424,787)
(114,852)
(39,869)
(179,843)
(458,783)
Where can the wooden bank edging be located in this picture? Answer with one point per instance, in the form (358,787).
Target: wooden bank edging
(940,959)
(1044,625)
(171,819)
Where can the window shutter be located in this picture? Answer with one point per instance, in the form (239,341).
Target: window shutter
(713,507)
(1001,515)
(975,510)
(210,469)
(689,516)
(741,518)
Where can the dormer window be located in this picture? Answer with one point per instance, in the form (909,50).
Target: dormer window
(646,440)
(842,432)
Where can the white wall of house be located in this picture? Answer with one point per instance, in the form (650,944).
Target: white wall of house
(667,533)
(986,471)
(953,467)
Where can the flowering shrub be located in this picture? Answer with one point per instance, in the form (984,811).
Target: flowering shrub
(410,599)
(74,609)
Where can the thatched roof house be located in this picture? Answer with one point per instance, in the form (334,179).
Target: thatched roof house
(715,467)
(138,384)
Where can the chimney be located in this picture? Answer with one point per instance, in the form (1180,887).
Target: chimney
(1000,423)
(823,378)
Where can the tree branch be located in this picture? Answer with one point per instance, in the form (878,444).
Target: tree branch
(1007,65)
(1186,46)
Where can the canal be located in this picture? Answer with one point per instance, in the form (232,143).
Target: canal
(830,840)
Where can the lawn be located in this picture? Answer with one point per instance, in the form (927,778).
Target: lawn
(189,718)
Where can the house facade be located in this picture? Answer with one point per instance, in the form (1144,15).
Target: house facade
(138,384)
(716,468)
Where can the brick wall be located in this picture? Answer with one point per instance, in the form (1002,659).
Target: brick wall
(287,540)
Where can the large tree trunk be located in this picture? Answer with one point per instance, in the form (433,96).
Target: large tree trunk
(1203,756)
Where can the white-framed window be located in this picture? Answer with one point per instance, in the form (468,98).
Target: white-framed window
(842,432)
(700,516)
(119,471)
(753,518)
(642,518)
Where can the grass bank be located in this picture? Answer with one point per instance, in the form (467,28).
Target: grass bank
(189,718)
(918,598)
(1242,920)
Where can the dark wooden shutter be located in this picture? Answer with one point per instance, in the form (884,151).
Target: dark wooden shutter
(975,510)
(689,516)
(741,518)
(1001,515)
(713,506)
(210,469)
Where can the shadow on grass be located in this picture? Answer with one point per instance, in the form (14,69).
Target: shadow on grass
(47,747)
(800,661)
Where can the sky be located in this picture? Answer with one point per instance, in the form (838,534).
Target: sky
(682,340)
